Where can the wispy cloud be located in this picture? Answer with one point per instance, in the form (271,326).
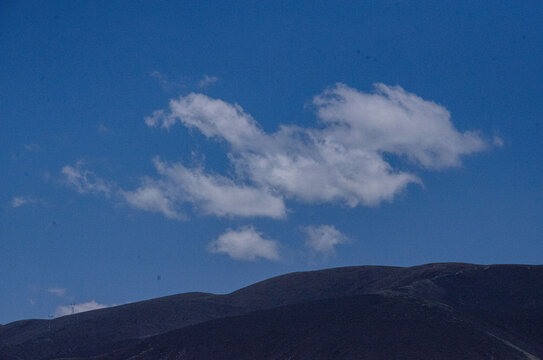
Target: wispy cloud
(323,238)
(85,181)
(78,308)
(32,147)
(206,81)
(165,83)
(60,292)
(103,129)
(18,201)
(497,141)
(245,244)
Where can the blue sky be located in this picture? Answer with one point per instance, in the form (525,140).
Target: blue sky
(156,148)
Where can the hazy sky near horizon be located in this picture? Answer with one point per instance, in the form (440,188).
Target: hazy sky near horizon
(149,148)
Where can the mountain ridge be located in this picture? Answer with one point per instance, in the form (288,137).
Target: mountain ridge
(497,296)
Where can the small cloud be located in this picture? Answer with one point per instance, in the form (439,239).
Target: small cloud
(155,118)
(32,147)
(78,308)
(103,129)
(85,181)
(245,244)
(160,78)
(323,238)
(497,141)
(165,83)
(207,80)
(57,291)
(18,201)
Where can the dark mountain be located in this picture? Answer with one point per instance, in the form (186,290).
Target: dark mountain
(359,327)
(435,311)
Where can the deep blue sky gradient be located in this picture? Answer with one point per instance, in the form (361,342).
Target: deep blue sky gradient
(68,67)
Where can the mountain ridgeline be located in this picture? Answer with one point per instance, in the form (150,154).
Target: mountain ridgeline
(435,311)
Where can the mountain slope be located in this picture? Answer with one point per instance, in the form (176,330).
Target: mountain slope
(507,299)
(360,327)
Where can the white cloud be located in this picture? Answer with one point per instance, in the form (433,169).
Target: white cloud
(245,244)
(154,119)
(366,149)
(57,291)
(78,308)
(209,193)
(207,80)
(323,238)
(85,181)
(394,121)
(345,158)
(177,186)
(213,117)
(153,197)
